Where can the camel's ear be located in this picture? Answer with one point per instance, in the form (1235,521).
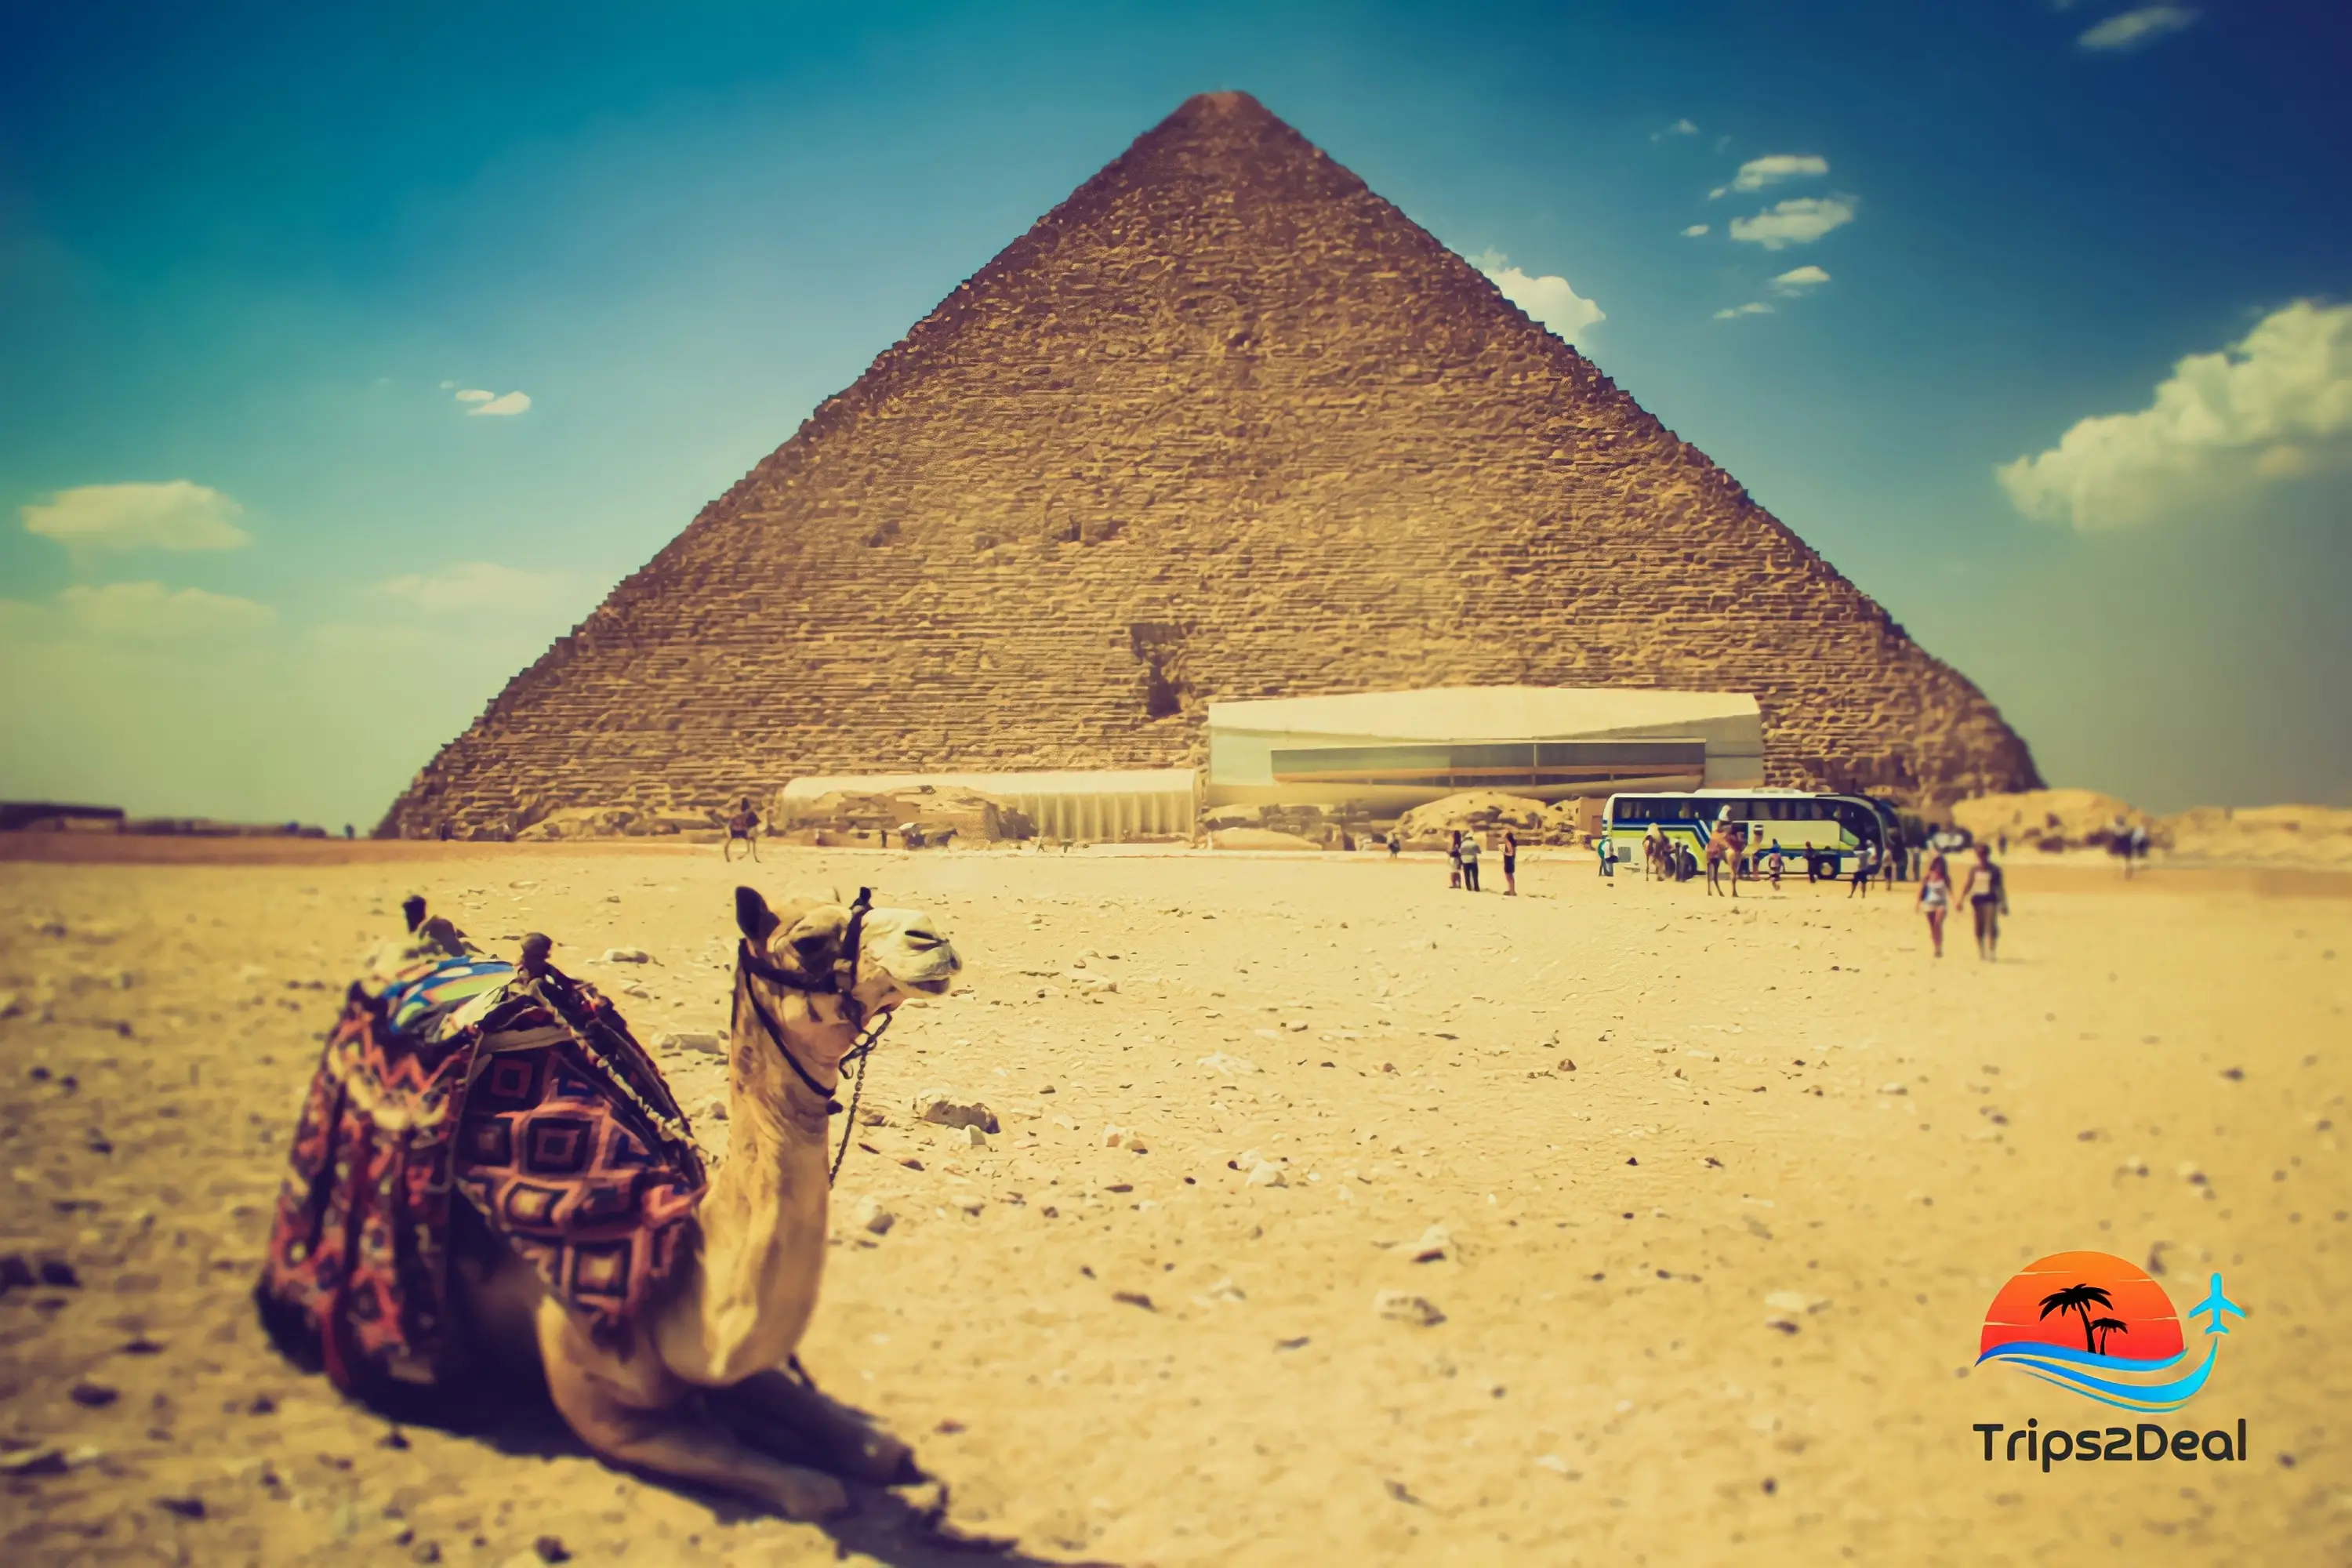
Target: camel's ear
(752,916)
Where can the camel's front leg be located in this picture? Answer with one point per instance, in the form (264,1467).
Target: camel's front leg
(623,1423)
(782,1413)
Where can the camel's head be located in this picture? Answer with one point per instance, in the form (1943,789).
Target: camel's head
(901,954)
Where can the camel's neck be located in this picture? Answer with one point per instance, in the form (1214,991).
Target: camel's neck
(763,1219)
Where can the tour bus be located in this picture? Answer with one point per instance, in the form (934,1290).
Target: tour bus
(1820,835)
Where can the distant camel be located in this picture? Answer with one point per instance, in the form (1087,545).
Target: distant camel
(1726,843)
(2077,1299)
(743,826)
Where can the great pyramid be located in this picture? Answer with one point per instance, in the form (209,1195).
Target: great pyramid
(1225,424)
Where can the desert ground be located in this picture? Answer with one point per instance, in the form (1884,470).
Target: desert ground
(1721,1192)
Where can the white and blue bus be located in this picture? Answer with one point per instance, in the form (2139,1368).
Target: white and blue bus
(1820,835)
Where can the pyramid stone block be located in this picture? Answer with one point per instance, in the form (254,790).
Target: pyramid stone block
(1225,424)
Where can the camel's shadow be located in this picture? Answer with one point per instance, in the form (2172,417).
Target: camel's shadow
(885,1523)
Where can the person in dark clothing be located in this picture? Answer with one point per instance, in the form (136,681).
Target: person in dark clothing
(1470,861)
(1510,865)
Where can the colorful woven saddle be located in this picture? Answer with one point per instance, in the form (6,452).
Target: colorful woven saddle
(522,1094)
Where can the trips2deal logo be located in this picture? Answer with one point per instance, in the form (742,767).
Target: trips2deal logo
(2101,1327)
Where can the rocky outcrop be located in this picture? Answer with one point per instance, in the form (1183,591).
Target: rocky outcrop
(1225,424)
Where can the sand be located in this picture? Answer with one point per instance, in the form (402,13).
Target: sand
(1783,1096)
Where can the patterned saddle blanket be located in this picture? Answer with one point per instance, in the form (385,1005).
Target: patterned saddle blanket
(454,1075)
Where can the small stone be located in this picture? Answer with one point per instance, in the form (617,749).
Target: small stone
(975,1137)
(716,1110)
(1225,1290)
(184,1507)
(551,1549)
(1114,1136)
(971,1202)
(47,1460)
(935,1106)
(92,1396)
(1892,1088)
(425,1551)
(10,1004)
(622,956)
(870,1118)
(873,1218)
(1436,1245)
(1405,1307)
(1134,1299)
(2189,1173)
(1265,1173)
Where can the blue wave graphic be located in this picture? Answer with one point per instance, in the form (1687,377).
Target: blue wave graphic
(2074,1369)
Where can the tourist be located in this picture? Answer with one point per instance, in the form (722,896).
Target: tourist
(1987,895)
(1772,867)
(1470,861)
(1936,900)
(1454,861)
(1607,850)
(1865,865)
(1510,865)
(1396,845)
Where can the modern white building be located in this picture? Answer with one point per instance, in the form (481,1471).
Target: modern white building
(1398,749)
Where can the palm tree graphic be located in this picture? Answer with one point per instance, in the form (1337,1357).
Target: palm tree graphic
(2101,1327)
(2077,1299)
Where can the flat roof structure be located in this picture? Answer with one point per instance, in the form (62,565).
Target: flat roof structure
(1073,803)
(1552,743)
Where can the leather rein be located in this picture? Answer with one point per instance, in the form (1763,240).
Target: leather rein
(841,982)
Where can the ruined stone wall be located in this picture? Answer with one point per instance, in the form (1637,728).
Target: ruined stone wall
(1223,424)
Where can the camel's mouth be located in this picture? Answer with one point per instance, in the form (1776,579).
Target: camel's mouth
(908,950)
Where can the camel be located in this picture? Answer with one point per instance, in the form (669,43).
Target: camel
(1726,843)
(697,1393)
(745,825)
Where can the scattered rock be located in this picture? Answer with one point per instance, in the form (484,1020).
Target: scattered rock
(708,1041)
(10,1004)
(1436,1244)
(971,1202)
(873,1218)
(1114,1137)
(623,955)
(92,1396)
(45,1459)
(1892,1088)
(1784,1308)
(184,1507)
(872,1118)
(1134,1299)
(551,1549)
(1265,1173)
(2189,1173)
(933,1105)
(1225,1290)
(975,1137)
(1405,1307)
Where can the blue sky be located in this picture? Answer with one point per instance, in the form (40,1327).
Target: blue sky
(258,559)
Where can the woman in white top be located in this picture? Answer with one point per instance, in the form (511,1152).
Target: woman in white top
(1936,900)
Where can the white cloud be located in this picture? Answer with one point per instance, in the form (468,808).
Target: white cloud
(1771,169)
(1679,127)
(2132,28)
(510,403)
(474,586)
(149,611)
(177,515)
(2276,404)
(474,395)
(1753,308)
(1694,231)
(1797,280)
(1549,299)
(1797,221)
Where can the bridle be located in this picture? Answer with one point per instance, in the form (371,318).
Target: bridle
(841,981)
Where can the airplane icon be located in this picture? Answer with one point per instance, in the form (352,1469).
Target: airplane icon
(2213,1306)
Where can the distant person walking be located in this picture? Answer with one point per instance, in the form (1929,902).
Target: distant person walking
(1454,861)
(742,828)
(1510,865)
(1605,848)
(1936,900)
(1987,895)
(1470,861)
(1865,867)
(1396,845)
(1772,867)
